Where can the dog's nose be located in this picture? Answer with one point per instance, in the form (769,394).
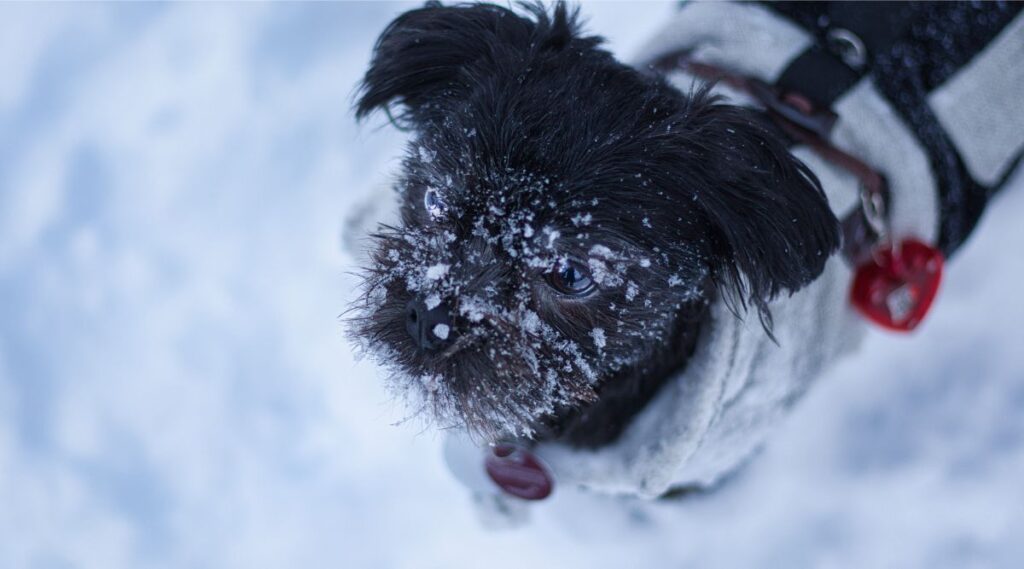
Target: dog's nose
(430,328)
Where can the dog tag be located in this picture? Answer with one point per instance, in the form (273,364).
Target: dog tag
(895,289)
(518,472)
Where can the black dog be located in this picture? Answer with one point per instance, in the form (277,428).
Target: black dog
(565,220)
(581,241)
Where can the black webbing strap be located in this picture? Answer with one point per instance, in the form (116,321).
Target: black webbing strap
(847,35)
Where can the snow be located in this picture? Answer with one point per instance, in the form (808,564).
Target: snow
(430,382)
(441,331)
(553,236)
(436,272)
(582,219)
(631,290)
(176,389)
(432,301)
(426,154)
(602,274)
(473,309)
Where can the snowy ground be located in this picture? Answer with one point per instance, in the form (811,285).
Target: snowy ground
(176,391)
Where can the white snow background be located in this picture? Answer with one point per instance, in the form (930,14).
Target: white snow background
(176,390)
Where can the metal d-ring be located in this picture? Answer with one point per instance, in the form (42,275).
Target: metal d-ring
(848,47)
(873,206)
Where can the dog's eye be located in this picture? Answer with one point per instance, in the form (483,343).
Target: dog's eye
(434,204)
(571,278)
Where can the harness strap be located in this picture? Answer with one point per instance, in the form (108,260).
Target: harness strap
(847,36)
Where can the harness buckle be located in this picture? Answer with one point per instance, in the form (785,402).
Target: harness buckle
(873,206)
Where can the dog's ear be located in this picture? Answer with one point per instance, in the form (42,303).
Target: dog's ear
(439,51)
(772,229)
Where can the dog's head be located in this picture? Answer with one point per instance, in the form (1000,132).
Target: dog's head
(562,215)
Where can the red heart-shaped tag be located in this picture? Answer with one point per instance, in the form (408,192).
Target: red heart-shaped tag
(518,472)
(896,287)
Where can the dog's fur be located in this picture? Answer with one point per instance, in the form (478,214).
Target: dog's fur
(540,149)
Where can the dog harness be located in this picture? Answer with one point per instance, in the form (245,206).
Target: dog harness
(896,45)
(925,57)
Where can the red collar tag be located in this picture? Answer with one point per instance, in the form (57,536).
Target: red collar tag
(518,472)
(896,287)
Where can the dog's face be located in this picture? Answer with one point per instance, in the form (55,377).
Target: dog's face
(563,216)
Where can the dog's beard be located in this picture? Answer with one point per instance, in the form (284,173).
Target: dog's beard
(507,368)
